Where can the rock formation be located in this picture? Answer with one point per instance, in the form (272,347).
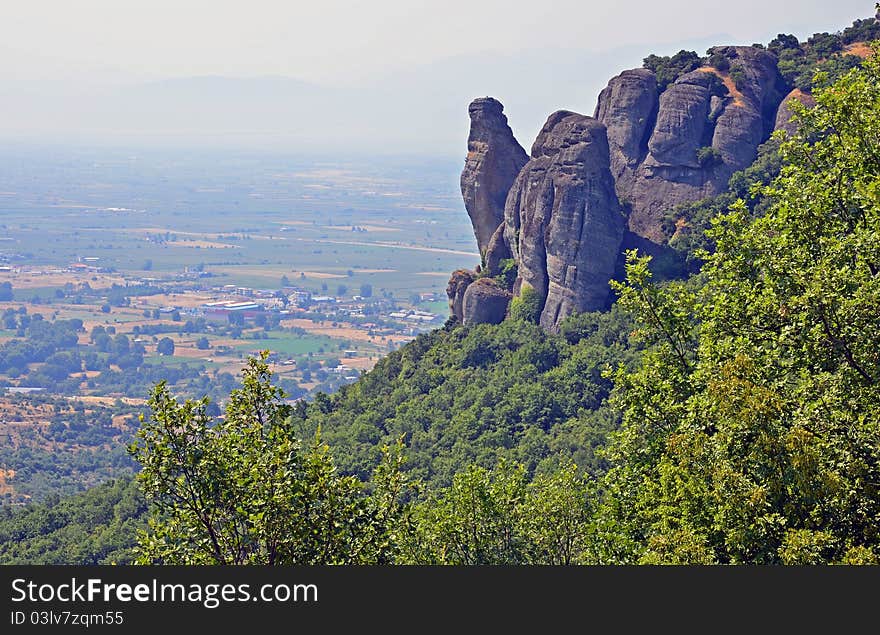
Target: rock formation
(562,221)
(628,108)
(708,125)
(592,183)
(458,284)
(784,114)
(494,159)
(485,302)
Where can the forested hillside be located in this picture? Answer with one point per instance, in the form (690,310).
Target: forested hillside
(98,526)
(473,395)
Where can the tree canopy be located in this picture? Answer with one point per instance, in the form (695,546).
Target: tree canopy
(751,431)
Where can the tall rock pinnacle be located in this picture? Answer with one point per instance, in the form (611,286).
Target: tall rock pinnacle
(494,159)
(563,223)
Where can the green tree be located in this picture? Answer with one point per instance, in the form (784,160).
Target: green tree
(499,517)
(668,69)
(527,306)
(474,522)
(243,491)
(165,346)
(755,440)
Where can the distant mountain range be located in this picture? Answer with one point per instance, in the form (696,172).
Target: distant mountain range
(415,111)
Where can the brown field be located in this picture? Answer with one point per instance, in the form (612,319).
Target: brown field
(163,230)
(5,476)
(45,311)
(188,350)
(108,401)
(185,300)
(19,421)
(201,244)
(361,363)
(439,274)
(317,274)
(30,278)
(341,331)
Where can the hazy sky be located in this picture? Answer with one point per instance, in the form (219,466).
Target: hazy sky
(328,40)
(409,66)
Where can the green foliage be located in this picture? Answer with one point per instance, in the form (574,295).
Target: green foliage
(754,440)
(687,223)
(668,69)
(708,157)
(98,526)
(499,517)
(165,346)
(242,491)
(508,273)
(527,306)
(738,75)
(822,57)
(475,395)
(825,44)
(719,61)
(866,30)
(783,42)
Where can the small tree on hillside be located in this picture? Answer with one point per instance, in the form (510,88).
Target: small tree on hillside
(165,346)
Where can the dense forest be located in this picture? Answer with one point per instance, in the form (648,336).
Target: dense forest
(730,417)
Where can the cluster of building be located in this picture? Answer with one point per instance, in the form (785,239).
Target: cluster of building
(292,301)
(412,315)
(220,311)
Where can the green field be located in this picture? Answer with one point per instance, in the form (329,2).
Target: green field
(171,360)
(291,344)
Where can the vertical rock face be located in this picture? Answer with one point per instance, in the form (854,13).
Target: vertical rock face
(458,284)
(494,159)
(708,125)
(628,108)
(784,114)
(563,224)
